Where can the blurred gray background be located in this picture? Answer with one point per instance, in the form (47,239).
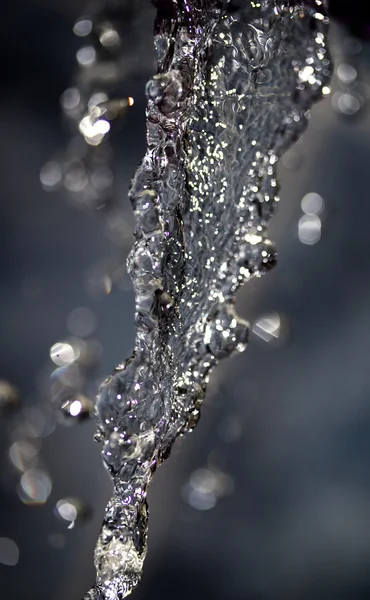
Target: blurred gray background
(269,498)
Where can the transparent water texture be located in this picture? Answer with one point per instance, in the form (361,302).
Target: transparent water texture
(234,86)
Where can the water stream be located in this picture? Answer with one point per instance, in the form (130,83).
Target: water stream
(234,86)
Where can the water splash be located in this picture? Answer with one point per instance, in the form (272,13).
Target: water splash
(233,90)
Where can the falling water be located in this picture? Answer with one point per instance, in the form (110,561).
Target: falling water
(235,83)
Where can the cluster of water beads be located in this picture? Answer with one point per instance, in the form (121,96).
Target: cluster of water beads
(234,86)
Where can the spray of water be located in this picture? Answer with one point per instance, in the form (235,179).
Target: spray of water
(235,83)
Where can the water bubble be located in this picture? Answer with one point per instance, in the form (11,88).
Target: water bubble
(165,90)
(9,552)
(35,487)
(309,229)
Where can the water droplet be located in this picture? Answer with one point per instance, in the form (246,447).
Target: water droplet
(226,333)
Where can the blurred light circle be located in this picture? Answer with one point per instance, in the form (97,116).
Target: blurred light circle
(102,178)
(203,481)
(109,37)
(35,487)
(50,175)
(312,204)
(230,429)
(81,322)
(70,99)
(66,510)
(82,27)
(63,354)
(97,98)
(204,501)
(9,552)
(347,103)
(23,455)
(77,408)
(9,396)
(309,229)
(346,73)
(57,540)
(71,510)
(351,46)
(75,179)
(267,327)
(86,56)
(92,130)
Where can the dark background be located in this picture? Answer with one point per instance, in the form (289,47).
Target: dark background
(286,426)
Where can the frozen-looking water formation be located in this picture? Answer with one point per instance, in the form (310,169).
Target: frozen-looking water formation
(234,86)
